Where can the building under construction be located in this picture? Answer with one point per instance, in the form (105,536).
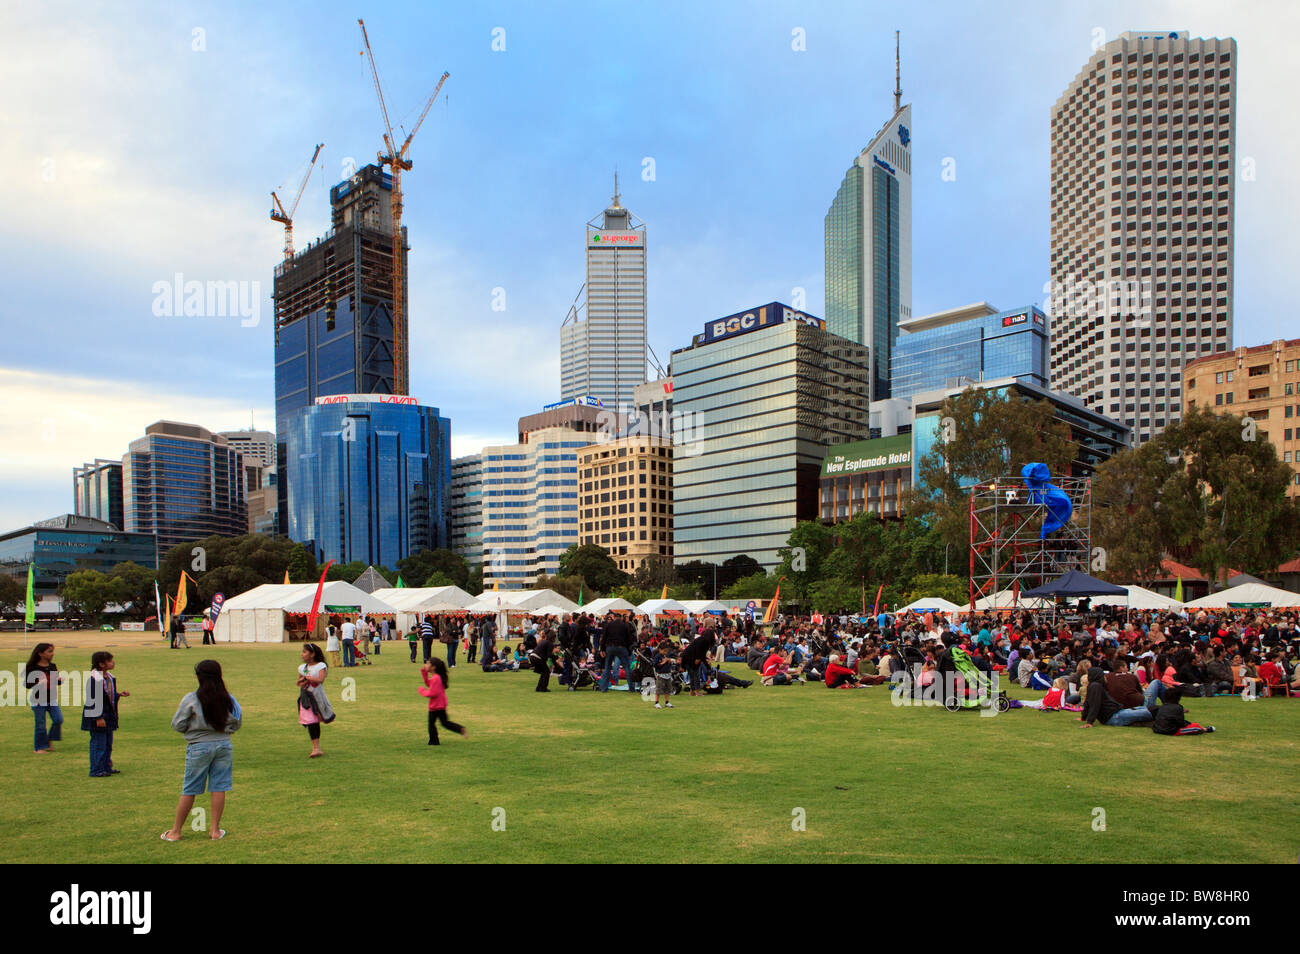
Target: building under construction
(334,330)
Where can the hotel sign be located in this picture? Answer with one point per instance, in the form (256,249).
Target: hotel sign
(367,399)
(885,453)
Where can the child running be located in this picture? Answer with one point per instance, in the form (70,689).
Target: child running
(435,689)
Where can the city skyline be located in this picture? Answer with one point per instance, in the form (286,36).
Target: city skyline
(735,219)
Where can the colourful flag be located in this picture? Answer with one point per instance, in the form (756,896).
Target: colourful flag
(400,584)
(875,610)
(1178,590)
(315,604)
(579,594)
(664,594)
(30,618)
(864,596)
(162,609)
(286,576)
(180,601)
(770,613)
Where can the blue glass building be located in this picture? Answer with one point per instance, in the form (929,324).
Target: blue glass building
(62,545)
(369,477)
(182,483)
(334,309)
(976,342)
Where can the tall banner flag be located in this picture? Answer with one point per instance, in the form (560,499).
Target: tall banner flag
(30,618)
(158,603)
(286,576)
(770,613)
(315,604)
(180,601)
(864,596)
(580,586)
(664,594)
(1178,591)
(875,610)
(400,584)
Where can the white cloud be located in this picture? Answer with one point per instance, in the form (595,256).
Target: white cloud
(68,420)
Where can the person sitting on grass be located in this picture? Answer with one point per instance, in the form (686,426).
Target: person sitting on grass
(1171,718)
(1039,679)
(1100,705)
(838,676)
(776,670)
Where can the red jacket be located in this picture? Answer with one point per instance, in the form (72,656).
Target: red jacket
(774,664)
(834,670)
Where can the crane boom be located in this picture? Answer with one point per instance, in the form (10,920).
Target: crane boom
(396,161)
(278,214)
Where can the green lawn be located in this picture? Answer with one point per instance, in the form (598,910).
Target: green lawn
(585,777)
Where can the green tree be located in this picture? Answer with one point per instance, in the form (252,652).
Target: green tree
(13,593)
(699,572)
(302,566)
(655,573)
(834,596)
(633,594)
(422,565)
(439,578)
(474,586)
(88,592)
(594,564)
(804,555)
(347,572)
(756,586)
(1128,522)
(954,589)
(567,586)
(984,435)
(136,587)
(1225,503)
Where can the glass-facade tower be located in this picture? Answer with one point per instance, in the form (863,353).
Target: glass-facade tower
(868,235)
(999,344)
(370,478)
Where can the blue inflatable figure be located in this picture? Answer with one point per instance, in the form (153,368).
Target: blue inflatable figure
(1038,478)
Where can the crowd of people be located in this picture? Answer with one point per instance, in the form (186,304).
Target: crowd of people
(1113,669)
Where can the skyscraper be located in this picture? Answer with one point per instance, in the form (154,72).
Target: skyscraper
(869,245)
(97,491)
(1143,158)
(182,483)
(603,353)
(333,308)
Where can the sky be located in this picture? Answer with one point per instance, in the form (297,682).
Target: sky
(139,144)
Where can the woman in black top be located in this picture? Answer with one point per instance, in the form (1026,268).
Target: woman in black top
(43,680)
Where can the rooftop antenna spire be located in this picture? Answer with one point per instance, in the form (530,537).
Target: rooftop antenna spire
(898,83)
(616,193)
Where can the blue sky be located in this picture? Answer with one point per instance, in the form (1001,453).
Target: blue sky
(132,156)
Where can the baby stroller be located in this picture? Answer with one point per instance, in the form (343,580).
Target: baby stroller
(972,689)
(906,662)
(585,673)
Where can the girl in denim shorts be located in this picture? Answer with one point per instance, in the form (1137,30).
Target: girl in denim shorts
(207,717)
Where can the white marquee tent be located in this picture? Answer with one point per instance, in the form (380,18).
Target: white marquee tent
(932,603)
(261,615)
(1245,595)
(412,602)
(1005,600)
(697,607)
(1139,598)
(655,608)
(609,604)
(521,601)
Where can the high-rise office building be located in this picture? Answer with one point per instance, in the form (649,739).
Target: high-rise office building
(467,508)
(975,342)
(603,353)
(182,483)
(65,544)
(97,491)
(868,232)
(256,447)
(334,308)
(625,502)
(369,477)
(1143,160)
(757,400)
(530,506)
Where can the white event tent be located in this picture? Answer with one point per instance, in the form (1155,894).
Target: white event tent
(656,608)
(267,613)
(412,602)
(609,604)
(1247,594)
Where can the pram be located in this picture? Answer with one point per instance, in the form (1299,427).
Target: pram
(965,686)
(905,662)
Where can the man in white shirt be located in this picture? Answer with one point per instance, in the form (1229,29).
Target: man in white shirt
(349,646)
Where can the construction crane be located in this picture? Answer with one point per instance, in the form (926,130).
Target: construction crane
(396,160)
(278,214)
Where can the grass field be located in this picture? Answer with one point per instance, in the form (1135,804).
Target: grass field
(583,777)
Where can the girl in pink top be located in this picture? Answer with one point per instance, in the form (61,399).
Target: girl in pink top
(436,679)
